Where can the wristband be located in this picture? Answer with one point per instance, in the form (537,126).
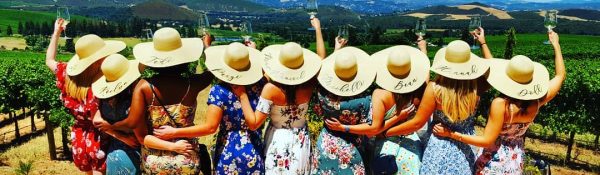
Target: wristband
(346,129)
(482,44)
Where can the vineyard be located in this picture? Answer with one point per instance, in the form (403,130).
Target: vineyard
(27,89)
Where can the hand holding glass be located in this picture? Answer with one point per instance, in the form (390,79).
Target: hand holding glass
(312,8)
(421,28)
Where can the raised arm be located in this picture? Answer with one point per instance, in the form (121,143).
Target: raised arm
(207,39)
(213,118)
(254,118)
(52,47)
(426,108)
(128,139)
(316,24)
(490,133)
(480,37)
(559,66)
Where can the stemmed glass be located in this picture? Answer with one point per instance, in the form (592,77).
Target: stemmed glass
(63,12)
(421,28)
(550,21)
(203,23)
(246,29)
(343,32)
(311,9)
(474,25)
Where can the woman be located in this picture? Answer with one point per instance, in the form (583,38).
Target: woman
(452,98)
(344,78)
(513,112)
(167,99)
(114,90)
(74,80)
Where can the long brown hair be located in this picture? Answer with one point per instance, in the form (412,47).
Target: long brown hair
(458,98)
(77,86)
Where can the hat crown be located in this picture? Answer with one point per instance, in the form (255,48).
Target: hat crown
(166,39)
(520,69)
(114,67)
(237,56)
(291,55)
(345,66)
(399,62)
(458,51)
(88,45)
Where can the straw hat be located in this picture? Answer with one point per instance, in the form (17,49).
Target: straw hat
(519,78)
(89,49)
(119,73)
(235,63)
(290,64)
(347,72)
(168,49)
(401,69)
(457,62)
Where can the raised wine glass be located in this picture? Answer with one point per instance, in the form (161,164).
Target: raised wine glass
(474,25)
(343,32)
(246,29)
(63,12)
(203,23)
(312,8)
(550,21)
(420,28)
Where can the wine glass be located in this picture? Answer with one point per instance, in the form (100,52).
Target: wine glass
(474,25)
(343,32)
(246,29)
(312,8)
(420,28)
(203,23)
(63,12)
(550,21)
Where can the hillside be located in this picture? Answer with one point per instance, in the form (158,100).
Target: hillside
(224,5)
(460,12)
(581,13)
(162,10)
(12,18)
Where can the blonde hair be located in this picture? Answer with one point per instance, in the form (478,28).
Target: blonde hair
(77,86)
(458,97)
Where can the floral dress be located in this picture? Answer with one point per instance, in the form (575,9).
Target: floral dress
(406,151)
(339,152)
(121,158)
(287,139)
(156,161)
(238,149)
(88,153)
(448,156)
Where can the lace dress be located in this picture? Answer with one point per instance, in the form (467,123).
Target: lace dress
(340,152)
(286,139)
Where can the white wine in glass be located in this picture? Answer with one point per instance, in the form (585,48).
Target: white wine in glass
(343,32)
(420,28)
(246,29)
(203,23)
(312,8)
(474,25)
(63,12)
(550,19)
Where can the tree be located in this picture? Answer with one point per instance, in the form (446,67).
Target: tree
(20,28)
(511,40)
(9,31)
(70,45)
(466,36)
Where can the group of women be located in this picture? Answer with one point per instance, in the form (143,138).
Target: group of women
(407,124)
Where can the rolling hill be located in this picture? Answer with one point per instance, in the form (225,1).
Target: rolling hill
(162,10)
(12,18)
(460,12)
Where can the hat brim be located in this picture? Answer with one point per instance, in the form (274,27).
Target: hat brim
(190,51)
(216,64)
(535,89)
(365,74)
(103,89)
(285,75)
(77,65)
(419,70)
(472,69)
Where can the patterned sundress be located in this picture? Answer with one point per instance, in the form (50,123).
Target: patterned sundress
(156,161)
(340,152)
(238,150)
(287,140)
(407,150)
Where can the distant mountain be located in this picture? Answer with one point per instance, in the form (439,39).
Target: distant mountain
(460,12)
(162,10)
(581,13)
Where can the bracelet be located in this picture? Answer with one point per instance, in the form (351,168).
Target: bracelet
(346,129)
(482,44)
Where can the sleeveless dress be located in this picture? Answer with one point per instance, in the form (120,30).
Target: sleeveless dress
(156,161)
(407,151)
(286,139)
(238,149)
(340,152)
(507,154)
(121,158)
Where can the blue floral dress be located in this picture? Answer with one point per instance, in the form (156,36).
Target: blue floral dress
(447,156)
(406,151)
(238,149)
(339,152)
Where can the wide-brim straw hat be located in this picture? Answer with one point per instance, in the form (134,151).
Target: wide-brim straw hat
(401,69)
(519,78)
(235,63)
(168,49)
(119,73)
(347,72)
(89,49)
(457,62)
(290,64)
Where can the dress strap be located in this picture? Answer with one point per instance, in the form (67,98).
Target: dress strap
(153,92)
(186,92)
(510,112)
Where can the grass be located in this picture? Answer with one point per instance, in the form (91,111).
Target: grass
(12,18)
